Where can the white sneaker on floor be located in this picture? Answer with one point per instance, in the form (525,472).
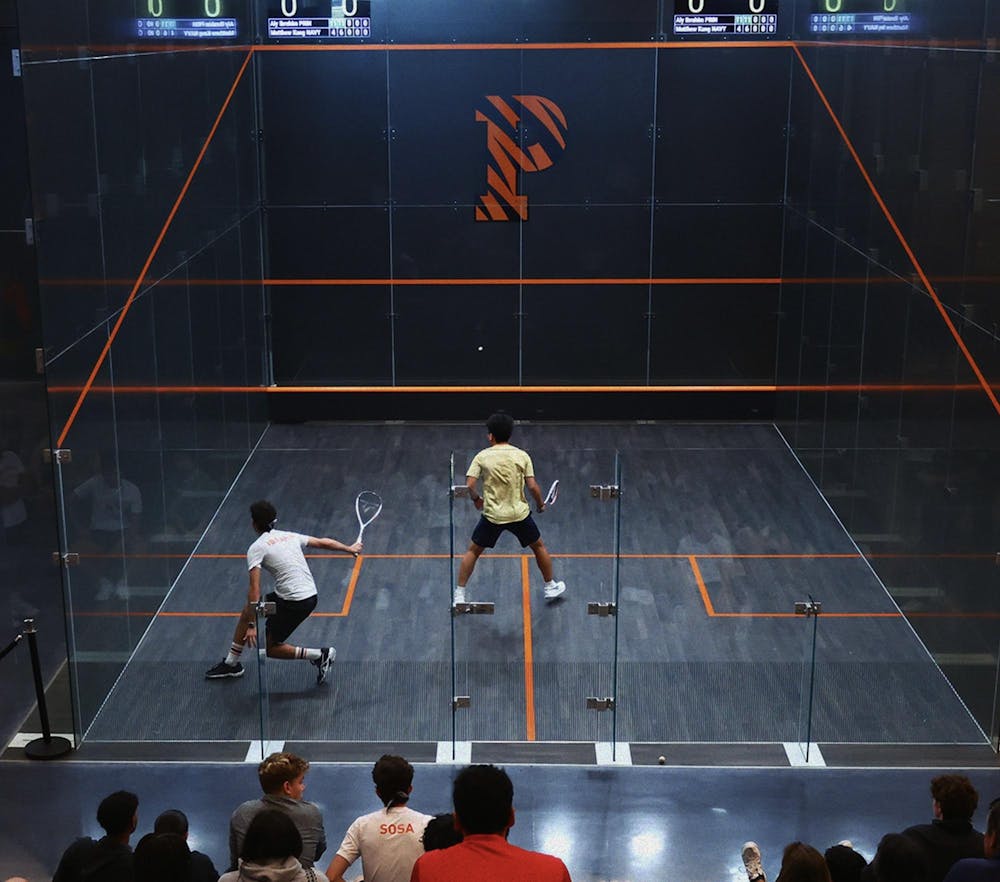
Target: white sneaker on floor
(751,860)
(554,590)
(458,596)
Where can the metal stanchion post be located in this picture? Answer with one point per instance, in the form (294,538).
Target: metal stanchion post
(46,747)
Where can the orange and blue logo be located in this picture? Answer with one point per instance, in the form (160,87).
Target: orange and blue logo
(502,201)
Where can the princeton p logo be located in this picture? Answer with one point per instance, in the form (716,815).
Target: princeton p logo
(502,202)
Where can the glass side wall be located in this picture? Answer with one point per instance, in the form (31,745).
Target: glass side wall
(528,667)
(149,264)
(898,429)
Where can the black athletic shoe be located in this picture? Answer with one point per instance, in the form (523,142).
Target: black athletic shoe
(324,663)
(223,670)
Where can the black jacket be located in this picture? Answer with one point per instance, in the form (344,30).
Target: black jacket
(945,842)
(89,861)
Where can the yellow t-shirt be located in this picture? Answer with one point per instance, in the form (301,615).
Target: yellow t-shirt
(503,468)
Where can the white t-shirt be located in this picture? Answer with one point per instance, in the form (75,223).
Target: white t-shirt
(111,506)
(388,842)
(280,553)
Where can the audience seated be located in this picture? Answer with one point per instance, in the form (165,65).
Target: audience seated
(483,797)
(282,778)
(898,859)
(108,859)
(986,868)
(440,832)
(175,821)
(270,852)
(387,841)
(950,836)
(844,863)
(162,857)
(802,863)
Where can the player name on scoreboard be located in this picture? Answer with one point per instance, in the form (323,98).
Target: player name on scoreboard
(187,28)
(725,24)
(310,28)
(861,23)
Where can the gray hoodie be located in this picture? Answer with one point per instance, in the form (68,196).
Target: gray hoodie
(287,870)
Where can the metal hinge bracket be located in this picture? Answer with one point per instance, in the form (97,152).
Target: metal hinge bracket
(62,455)
(602,609)
(600,704)
(605,491)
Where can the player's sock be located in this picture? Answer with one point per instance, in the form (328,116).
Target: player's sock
(551,583)
(308,654)
(234,653)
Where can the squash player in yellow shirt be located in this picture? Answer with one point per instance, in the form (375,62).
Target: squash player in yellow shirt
(505,470)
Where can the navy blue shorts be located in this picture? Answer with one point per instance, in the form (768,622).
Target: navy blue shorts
(289,615)
(486,533)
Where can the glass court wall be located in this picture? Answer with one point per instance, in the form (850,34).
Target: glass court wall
(144,173)
(563,193)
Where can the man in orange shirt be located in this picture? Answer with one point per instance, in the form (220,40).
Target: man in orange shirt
(484,813)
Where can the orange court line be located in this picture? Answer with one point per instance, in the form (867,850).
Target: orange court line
(842,388)
(899,234)
(604,280)
(529,669)
(811,555)
(152,254)
(355,572)
(701,585)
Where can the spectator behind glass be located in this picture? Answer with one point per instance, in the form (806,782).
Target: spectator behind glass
(175,821)
(802,863)
(162,857)
(271,850)
(440,832)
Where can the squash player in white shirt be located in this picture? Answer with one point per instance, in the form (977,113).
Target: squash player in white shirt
(280,553)
(390,840)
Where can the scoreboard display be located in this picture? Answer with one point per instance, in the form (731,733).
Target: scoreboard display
(181,20)
(863,17)
(319,19)
(725,18)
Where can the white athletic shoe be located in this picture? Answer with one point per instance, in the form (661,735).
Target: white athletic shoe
(554,590)
(751,860)
(458,596)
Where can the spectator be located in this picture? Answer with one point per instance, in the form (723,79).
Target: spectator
(388,841)
(270,852)
(440,832)
(282,778)
(844,863)
(108,859)
(898,859)
(175,821)
(162,857)
(802,863)
(950,836)
(484,813)
(986,868)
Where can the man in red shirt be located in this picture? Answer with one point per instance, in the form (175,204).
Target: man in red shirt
(484,813)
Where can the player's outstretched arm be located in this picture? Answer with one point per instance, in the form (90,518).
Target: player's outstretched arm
(334,545)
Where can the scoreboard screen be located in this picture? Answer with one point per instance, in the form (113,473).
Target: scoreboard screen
(725,18)
(180,20)
(863,17)
(319,19)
